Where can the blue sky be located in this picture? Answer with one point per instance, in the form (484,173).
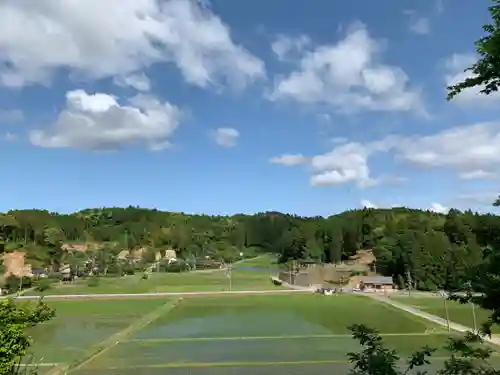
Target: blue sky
(229,106)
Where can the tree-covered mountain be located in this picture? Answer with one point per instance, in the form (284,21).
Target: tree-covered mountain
(426,249)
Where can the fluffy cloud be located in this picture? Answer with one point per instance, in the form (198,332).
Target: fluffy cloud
(439,208)
(349,77)
(417,24)
(98,39)
(478,174)
(472,152)
(226,137)
(286,47)
(367,204)
(98,122)
(289,159)
(139,81)
(345,163)
(420,25)
(455,67)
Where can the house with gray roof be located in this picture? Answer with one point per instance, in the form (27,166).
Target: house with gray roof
(376,283)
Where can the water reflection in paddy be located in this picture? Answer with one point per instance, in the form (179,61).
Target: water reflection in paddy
(230,324)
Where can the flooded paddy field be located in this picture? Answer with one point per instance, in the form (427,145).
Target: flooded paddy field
(258,334)
(79,325)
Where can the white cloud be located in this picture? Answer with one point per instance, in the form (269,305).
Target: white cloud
(289,159)
(420,25)
(98,122)
(349,77)
(439,208)
(465,149)
(472,152)
(478,174)
(367,204)
(95,39)
(139,81)
(345,163)
(226,137)
(455,67)
(286,47)
(11,115)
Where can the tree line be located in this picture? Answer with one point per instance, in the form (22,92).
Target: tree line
(421,249)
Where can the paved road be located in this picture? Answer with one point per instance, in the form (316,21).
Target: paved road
(430,317)
(158,295)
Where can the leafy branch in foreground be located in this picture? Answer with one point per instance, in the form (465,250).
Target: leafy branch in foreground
(486,71)
(467,356)
(376,359)
(15,319)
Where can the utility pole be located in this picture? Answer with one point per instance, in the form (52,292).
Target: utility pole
(474,316)
(409,281)
(229,268)
(20,286)
(446,311)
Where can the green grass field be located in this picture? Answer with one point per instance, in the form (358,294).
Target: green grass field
(458,313)
(249,274)
(233,334)
(170,282)
(263,261)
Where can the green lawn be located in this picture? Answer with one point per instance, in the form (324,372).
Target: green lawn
(458,313)
(170,282)
(264,261)
(258,330)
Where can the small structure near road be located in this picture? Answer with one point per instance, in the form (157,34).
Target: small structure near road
(376,284)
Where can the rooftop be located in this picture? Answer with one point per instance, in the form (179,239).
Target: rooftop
(384,280)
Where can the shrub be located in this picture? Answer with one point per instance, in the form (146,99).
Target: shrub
(13,283)
(177,267)
(93,281)
(129,269)
(43,285)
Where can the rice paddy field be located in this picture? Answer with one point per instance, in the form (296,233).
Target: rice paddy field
(458,313)
(230,334)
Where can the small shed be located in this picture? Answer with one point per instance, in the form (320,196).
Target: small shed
(383,283)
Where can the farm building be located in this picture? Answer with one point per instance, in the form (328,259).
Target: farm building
(376,283)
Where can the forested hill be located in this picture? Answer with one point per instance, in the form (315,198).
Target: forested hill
(433,249)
